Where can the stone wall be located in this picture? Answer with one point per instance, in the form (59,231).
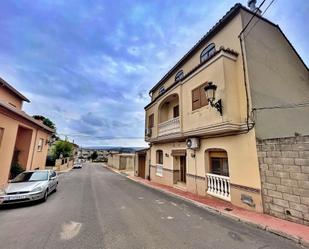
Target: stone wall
(284,167)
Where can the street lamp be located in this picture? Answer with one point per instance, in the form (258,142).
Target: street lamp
(210,92)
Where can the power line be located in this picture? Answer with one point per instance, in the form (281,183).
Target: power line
(259,18)
(287,106)
(98,137)
(254,15)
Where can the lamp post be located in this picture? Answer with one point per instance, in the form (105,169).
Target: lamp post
(210,92)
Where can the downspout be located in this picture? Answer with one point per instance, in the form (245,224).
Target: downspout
(36,135)
(245,81)
(149,163)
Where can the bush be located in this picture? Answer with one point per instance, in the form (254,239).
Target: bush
(16,169)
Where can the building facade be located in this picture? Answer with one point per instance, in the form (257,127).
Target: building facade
(209,145)
(23,140)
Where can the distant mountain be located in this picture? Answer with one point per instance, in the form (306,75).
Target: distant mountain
(115,148)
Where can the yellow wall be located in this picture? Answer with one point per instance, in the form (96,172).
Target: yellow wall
(36,159)
(7,146)
(224,38)
(224,70)
(8,97)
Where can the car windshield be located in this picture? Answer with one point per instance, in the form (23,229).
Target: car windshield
(31,177)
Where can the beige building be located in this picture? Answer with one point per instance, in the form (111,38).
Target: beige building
(121,161)
(23,139)
(261,84)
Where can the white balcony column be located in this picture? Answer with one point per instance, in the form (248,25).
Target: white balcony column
(218,186)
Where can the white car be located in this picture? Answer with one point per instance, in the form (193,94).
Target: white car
(77,166)
(29,186)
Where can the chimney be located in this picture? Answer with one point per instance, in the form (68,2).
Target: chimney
(253,8)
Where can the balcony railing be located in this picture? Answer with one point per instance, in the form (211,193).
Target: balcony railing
(169,127)
(218,186)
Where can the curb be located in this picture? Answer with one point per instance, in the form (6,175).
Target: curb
(294,238)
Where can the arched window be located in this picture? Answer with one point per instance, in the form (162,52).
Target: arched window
(207,52)
(179,75)
(159,157)
(219,162)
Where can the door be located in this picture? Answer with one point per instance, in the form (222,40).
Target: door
(141,165)
(183,169)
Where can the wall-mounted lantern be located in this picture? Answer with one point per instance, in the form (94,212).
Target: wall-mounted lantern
(210,91)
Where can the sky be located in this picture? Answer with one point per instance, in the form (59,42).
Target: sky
(88,65)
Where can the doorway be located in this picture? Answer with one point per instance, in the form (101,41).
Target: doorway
(183,169)
(141,165)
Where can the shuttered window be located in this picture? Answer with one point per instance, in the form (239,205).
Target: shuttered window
(198,97)
(151,121)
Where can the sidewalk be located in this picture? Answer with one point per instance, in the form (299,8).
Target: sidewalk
(296,232)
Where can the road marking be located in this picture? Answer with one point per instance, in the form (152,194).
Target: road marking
(122,207)
(141,198)
(170,217)
(70,230)
(160,202)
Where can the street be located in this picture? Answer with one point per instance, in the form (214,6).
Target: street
(97,208)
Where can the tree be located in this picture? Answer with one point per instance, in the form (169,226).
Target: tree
(94,155)
(62,147)
(46,121)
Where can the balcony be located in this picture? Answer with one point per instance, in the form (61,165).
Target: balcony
(218,186)
(169,127)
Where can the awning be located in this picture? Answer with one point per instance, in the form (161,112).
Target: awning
(180,152)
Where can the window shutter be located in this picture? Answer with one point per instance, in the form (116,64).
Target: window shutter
(196,100)
(204,101)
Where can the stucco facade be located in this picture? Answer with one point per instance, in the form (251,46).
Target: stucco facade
(225,163)
(23,139)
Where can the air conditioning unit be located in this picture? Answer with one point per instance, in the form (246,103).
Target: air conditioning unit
(193,143)
(148,132)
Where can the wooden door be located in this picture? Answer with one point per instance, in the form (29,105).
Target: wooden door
(183,169)
(141,165)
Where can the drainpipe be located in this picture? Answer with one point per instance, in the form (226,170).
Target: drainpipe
(149,163)
(36,135)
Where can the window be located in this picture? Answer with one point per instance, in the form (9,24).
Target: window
(176,111)
(199,97)
(159,157)
(161,90)
(219,163)
(40,144)
(151,121)
(159,166)
(179,75)
(159,170)
(207,52)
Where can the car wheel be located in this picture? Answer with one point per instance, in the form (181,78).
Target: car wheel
(45,196)
(55,190)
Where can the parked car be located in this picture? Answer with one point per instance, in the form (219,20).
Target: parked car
(77,166)
(29,186)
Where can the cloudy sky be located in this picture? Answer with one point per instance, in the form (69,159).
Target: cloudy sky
(88,64)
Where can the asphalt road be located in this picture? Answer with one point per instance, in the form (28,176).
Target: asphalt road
(97,208)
